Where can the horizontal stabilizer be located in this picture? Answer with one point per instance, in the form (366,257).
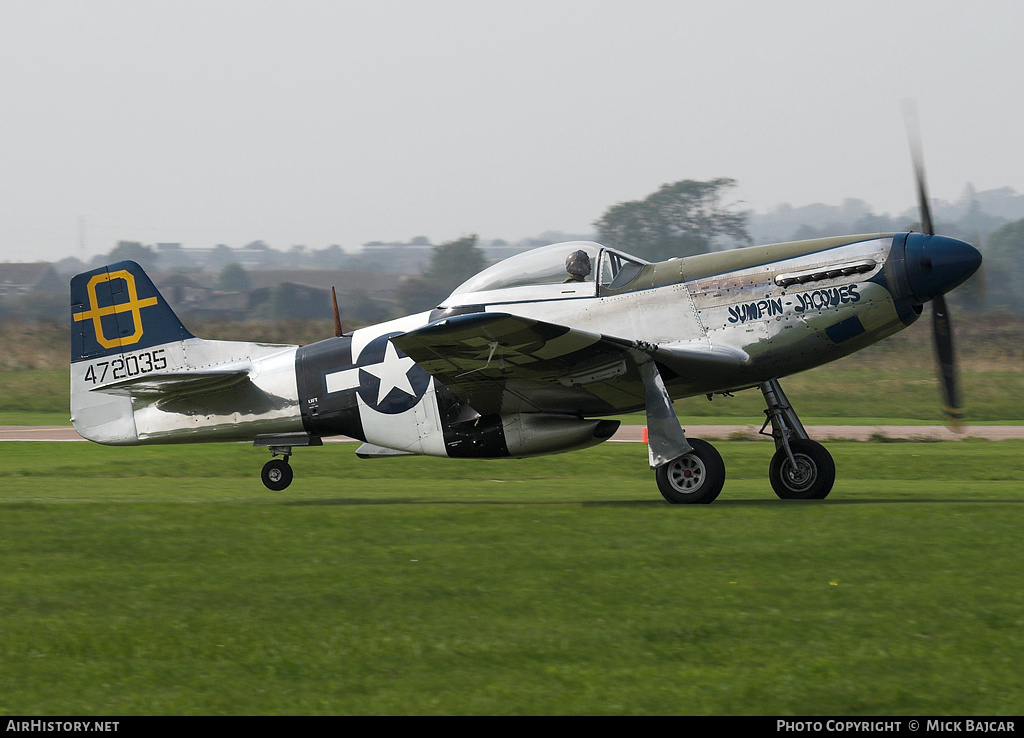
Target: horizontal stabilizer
(177,384)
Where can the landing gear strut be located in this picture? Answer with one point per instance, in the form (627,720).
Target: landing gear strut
(801,469)
(688,470)
(277,473)
(696,477)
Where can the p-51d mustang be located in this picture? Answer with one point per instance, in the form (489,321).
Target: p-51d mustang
(526,357)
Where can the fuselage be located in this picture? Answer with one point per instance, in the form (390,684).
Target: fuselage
(785,308)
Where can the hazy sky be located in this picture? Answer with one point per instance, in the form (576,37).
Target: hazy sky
(321,122)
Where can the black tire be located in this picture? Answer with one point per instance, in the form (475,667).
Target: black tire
(813,477)
(277,474)
(694,478)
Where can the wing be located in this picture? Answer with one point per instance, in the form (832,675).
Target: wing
(502,363)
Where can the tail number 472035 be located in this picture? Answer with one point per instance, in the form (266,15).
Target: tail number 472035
(126,366)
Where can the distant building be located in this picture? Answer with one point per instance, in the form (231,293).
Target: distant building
(343,280)
(182,290)
(172,257)
(278,293)
(37,278)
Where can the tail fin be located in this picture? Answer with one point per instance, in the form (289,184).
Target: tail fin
(114,310)
(117,308)
(139,376)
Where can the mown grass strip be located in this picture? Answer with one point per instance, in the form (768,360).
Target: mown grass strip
(168,581)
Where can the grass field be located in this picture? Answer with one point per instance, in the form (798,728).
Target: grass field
(169,581)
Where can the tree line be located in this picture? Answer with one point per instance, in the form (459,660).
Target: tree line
(677,220)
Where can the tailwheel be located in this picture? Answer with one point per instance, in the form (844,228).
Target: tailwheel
(277,474)
(812,476)
(694,478)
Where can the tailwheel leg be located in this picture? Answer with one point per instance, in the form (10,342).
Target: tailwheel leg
(801,469)
(277,473)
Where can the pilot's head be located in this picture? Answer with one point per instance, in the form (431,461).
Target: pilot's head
(578,265)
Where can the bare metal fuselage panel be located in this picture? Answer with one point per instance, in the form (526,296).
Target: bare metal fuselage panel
(527,365)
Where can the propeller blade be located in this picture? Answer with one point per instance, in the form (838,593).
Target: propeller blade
(914,134)
(942,327)
(942,334)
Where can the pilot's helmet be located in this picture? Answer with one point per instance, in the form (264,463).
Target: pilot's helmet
(578,264)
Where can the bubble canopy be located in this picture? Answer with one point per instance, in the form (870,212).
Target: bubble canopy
(570,264)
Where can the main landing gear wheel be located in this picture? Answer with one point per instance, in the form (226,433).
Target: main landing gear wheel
(277,474)
(694,478)
(812,477)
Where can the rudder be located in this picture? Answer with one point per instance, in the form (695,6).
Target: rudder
(117,308)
